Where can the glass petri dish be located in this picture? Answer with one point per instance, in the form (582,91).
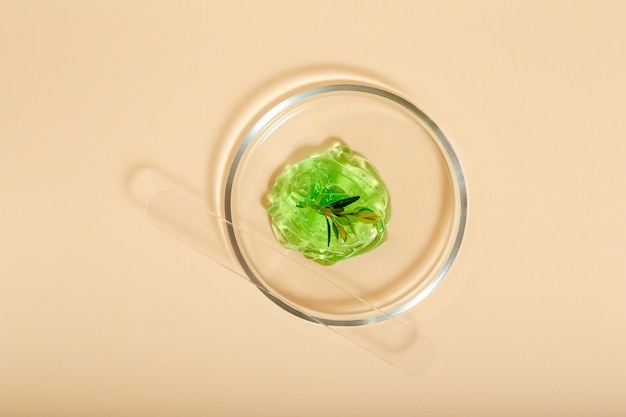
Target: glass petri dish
(415,160)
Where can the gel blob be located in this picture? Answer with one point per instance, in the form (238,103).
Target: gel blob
(330,206)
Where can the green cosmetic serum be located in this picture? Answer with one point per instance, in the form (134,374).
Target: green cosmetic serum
(330,207)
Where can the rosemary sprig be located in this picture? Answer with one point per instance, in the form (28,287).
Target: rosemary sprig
(338,218)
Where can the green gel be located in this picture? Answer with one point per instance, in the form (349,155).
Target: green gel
(320,181)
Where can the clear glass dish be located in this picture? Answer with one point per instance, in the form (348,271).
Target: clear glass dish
(417,163)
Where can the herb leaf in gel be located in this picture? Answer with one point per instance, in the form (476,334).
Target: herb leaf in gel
(338,218)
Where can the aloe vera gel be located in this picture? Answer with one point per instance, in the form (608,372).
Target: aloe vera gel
(330,206)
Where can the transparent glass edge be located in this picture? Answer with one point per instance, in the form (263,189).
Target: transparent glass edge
(454,168)
(418,354)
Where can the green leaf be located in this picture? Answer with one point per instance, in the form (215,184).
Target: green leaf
(327,231)
(367,216)
(352,229)
(342,220)
(343,202)
(342,232)
(339,219)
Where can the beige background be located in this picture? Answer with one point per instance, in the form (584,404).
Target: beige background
(101,314)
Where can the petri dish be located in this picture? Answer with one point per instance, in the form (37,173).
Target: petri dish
(417,163)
